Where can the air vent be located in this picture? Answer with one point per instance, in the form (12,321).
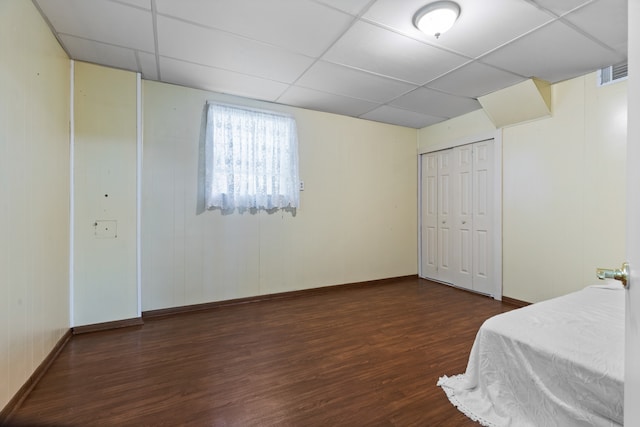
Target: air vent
(612,74)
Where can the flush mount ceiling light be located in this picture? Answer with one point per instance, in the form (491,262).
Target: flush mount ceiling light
(436,18)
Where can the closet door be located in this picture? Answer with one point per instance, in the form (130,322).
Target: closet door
(445,242)
(460,222)
(436,216)
(462,217)
(483,215)
(429,216)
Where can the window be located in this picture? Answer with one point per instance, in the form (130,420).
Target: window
(252,159)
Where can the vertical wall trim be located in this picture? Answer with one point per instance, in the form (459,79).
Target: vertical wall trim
(72,126)
(497,212)
(139,191)
(419,196)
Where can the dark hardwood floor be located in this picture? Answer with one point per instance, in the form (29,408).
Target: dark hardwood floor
(366,356)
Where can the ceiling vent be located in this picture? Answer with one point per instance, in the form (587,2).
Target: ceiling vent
(612,74)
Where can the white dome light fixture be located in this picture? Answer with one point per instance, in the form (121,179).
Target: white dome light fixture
(436,18)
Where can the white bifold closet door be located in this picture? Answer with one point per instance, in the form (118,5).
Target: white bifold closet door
(456,216)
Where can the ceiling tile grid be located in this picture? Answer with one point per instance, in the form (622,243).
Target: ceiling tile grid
(481,27)
(195,44)
(360,58)
(327,102)
(604,21)
(474,79)
(219,80)
(101,21)
(372,48)
(339,80)
(305,27)
(401,117)
(437,104)
(546,52)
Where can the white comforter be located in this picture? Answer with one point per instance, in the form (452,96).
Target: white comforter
(555,363)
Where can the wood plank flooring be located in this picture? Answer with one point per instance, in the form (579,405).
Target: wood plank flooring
(367,356)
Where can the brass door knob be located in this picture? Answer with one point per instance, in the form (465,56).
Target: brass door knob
(621,274)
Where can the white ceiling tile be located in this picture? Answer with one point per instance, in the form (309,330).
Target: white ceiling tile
(192,43)
(481,27)
(102,20)
(374,55)
(144,4)
(435,103)
(553,53)
(98,53)
(384,52)
(387,13)
(606,21)
(475,79)
(298,25)
(332,78)
(216,80)
(352,7)
(560,7)
(322,101)
(400,117)
(148,66)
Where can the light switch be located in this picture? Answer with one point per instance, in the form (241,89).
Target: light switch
(105,229)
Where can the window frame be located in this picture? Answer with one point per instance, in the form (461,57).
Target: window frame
(264,189)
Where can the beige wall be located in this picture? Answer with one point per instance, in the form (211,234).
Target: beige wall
(34,194)
(357,219)
(563,188)
(105,269)
(470,124)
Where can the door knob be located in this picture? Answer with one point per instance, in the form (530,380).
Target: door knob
(621,274)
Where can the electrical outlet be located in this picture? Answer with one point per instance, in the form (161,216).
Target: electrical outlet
(301,185)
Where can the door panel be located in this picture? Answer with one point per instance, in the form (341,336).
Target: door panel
(429,216)
(483,248)
(463,216)
(481,264)
(465,263)
(445,197)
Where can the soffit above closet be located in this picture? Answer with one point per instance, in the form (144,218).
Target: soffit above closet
(360,58)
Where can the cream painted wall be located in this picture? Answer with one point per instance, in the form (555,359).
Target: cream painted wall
(105,273)
(562,177)
(34,194)
(357,219)
(470,124)
(564,192)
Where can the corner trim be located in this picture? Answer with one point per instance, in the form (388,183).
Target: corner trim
(32,381)
(84,329)
(72,199)
(171,311)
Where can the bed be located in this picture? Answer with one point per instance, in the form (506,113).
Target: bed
(555,363)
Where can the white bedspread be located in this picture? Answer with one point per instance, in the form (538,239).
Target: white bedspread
(555,363)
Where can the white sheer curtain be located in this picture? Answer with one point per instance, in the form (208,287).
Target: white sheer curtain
(251,159)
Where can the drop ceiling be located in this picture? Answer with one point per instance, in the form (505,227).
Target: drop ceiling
(360,58)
